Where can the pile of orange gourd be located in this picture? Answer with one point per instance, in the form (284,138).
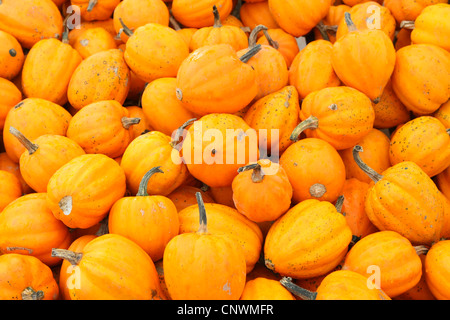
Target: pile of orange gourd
(349,200)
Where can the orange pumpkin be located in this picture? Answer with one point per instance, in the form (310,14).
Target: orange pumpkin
(198,14)
(443,114)
(164,112)
(107,76)
(397,261)
(265,289)
(31,20)
(420,291)
(223,92)
(315,170)
(437,269)
(33,117)
(25,277)
(91,10)
(215,161)
(94,40)
(166,47)
(81,192)
(429,148)
(274,117)
(208,253)
(443,182)
(338,285)
(408,9)
(10,188)
(282,41)
(184,196)
(223,195)
(311,69)
(153,149)
(28,227)
(43,156)
(262,191)
(359,66)
(150,221)
(404,199)
(418,91)
(136,13)
(309,240)
(353,207)
(102,127)
(253,14)
(327,28)
(107,24)
(376,145)
(219,33)
(11,56)
(139,128)
(10,96)
(7,164)
(299,17)
(111,267)
(342,116)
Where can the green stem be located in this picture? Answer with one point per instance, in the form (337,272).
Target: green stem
(349,22)
(272,42)
(375,176)
(310,123)
(297,290)
(174,143)
(128,122)
(30,294)
(143,185)
(253,37)
(323,31)
(217,23)
(71,256)
(31,147)
(91,5)
(202,214)
(250,53)
(339,203)
(125,29)
(257,174)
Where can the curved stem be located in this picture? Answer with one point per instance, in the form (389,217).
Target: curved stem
(272,42)
(31,147)
(143,185)
(71,256)
(297,290)
(254,35)
(128,122)
(323,31)
(250,53)
(217,23)
(202,214)
(125,29)
(30,294)
(310,123)
(257,174)
(179,133)
(407,24)
(91,5)
(349,22)
(375,176)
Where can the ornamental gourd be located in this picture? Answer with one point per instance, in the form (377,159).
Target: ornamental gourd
(282,41)
(408,9)
(423,140)
(342,116)
(94,40)
(11,56)
(10,96)
(208,253)
(43,156)
(437,269)
(31,20)
(309,240)
(82,191)
(256,13)
(419,92)
(359,66)
(112,267)
(28,227)
(91,10)
(10,188)
(102,127)
(404,199)
(315,170)
(198,14)
(25,277)
(150,221)
(265,289)
(223,91)
(184,196)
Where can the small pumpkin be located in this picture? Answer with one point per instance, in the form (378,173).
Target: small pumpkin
(10,96)
(43,156)
(184,196)
(219,33)
(309,240)
(404,199)
(28,227)
(315,170)
(262,191)
(150,221)
(408,9)
(356,63)
(420,291)
(82,191)
(265,289)
(94,40)
(398,264)
(338,285)
(342,116)
(253,14)
(443,114)
(10,188)
(198,14)
(327,28)
(102,127)
(429,148)
(102,76)
(282,41)
(208,253)
(11,56)
(31,20)
(420,93)
(107,24)
(436,269)
(223,92)
(7,164)
(443,182)
(311,69)
(111,267)
(91,10)
(25,277)
(33,117)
